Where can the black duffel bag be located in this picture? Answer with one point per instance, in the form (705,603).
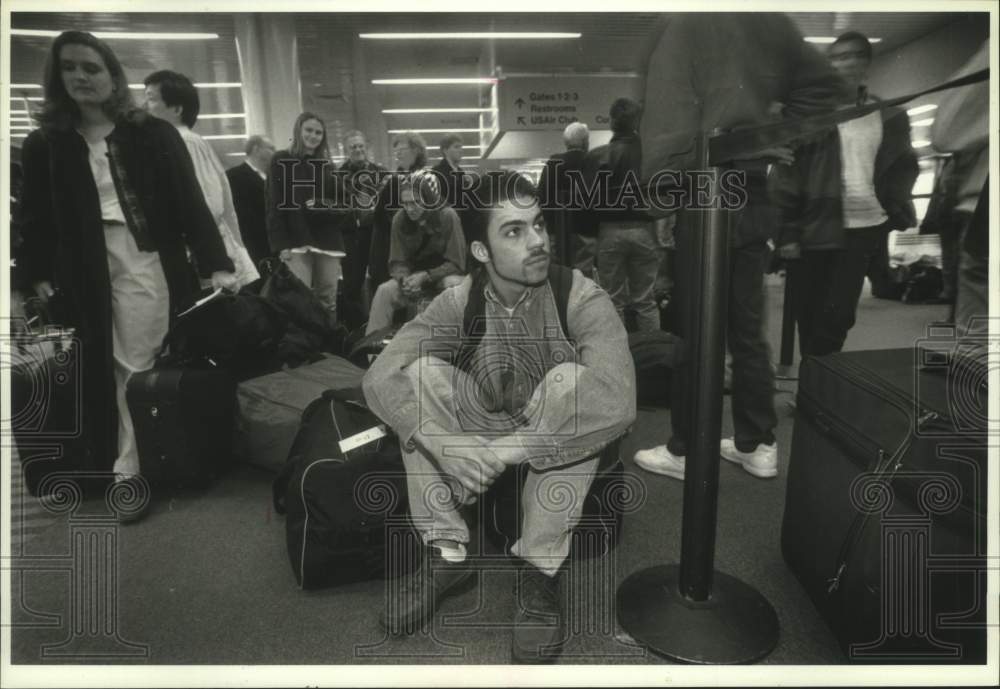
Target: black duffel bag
(343,494)
(238,332)
(312,328)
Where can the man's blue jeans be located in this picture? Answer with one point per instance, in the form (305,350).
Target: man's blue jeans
(628,259)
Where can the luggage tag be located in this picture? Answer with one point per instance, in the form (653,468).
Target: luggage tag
(363,438)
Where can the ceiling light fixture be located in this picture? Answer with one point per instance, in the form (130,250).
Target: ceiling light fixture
(28,98)
(226,136)
(26,86)
(222,116)
(921,143)
(826,40)
(470,35)
(923,123)
(471,146)
(431,111)
(130,35)
(921,109)
(200,84)
(438,131)
(416,82)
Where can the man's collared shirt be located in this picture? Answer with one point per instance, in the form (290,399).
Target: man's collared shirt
(563,400)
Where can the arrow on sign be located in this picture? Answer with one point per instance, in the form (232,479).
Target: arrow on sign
(520,120)
(519,102)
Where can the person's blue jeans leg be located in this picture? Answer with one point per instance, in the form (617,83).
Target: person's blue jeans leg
(643,266)
(612,254)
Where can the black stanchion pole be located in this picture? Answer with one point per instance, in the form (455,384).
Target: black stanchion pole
(563,235)
(691,612)
(787,323)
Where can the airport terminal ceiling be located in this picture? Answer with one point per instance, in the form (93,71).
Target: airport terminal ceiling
(336,66)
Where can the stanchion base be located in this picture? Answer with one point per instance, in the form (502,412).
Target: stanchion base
(736,624)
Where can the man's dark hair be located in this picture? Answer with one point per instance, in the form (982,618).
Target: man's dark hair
(625,114)
(489,191)
(176,89)
(449,140)
(855,37)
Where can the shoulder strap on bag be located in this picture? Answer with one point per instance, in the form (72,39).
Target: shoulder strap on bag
(474,316)
(561,282)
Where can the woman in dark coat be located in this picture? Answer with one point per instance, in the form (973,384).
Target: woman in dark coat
(302,224)
(111,208)
(410,150)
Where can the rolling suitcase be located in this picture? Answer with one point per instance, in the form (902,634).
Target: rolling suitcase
(885,513)
(46,414)
(183,420)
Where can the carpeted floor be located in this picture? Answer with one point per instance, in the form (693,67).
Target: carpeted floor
(205,579)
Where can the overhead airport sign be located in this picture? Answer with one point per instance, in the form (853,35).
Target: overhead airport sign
(533,103)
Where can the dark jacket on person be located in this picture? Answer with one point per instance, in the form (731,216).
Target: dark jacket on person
(385,210)
(358,179)
(451,181)
(808,194)
(250,199)
(618,167)
(64,243)
(435,243)
(727,70)
(555,193)
(291,182)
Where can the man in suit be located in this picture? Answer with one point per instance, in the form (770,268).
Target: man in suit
(359,181)
(248,182)
(555,195)
(450,174)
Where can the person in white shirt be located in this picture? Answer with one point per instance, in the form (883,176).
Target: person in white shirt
(172,97)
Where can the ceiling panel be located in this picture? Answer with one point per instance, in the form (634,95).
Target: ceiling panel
(336,67)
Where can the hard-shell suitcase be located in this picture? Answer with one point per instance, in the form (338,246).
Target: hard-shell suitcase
(885,513)
(183,419)
(269,409)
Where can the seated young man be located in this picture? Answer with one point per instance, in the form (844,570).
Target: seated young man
(426,252)
(466,409)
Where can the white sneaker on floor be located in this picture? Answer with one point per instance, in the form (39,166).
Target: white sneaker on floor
(660,460)
(762,462)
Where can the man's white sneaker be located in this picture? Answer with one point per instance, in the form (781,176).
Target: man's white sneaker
(660,460)
(762,462)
